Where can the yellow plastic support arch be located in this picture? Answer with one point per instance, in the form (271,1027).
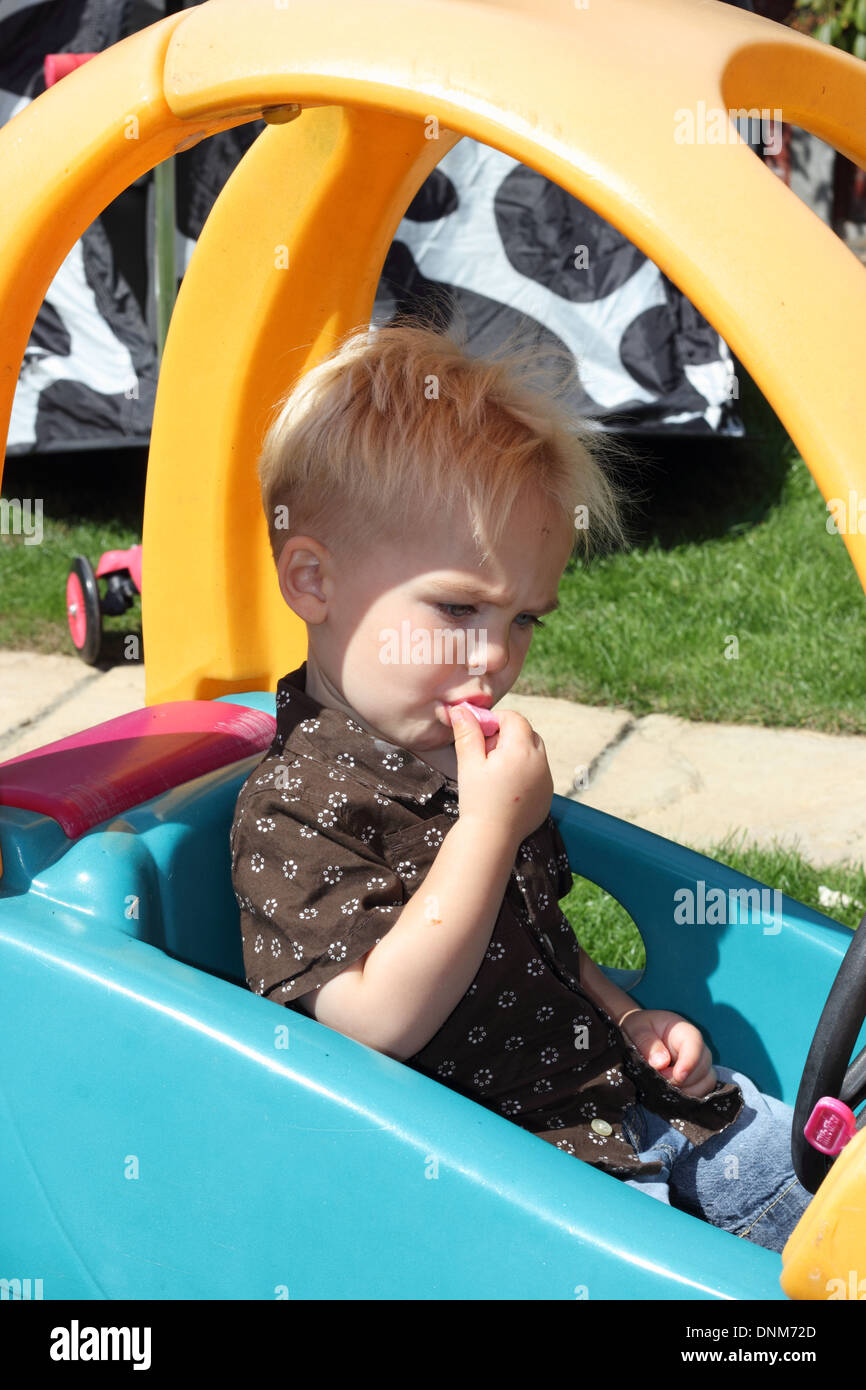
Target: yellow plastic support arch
(291,254)
(364,101)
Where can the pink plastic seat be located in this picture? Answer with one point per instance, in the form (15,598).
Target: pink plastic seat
(102,771)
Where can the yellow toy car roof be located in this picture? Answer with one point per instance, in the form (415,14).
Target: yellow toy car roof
(622,103)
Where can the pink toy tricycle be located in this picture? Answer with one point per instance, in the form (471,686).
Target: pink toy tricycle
(84,607)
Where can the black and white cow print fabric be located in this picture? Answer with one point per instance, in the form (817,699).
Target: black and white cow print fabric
(484,233)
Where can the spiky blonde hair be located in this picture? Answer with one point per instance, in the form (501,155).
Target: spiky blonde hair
(400,423)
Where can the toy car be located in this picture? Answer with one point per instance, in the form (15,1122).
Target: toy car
(167,1133)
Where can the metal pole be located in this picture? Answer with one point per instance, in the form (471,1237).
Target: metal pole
(165,218)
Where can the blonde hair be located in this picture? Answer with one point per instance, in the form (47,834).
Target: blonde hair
(399,423)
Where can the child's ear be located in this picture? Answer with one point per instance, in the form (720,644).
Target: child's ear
(301,570)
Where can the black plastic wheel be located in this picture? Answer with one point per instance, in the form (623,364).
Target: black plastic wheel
(84,610)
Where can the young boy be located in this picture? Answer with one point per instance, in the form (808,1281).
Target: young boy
(431,502)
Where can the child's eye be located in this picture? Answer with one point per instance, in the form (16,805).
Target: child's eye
(467,608)
(447,609)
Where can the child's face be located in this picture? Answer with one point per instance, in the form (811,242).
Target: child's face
(364,625)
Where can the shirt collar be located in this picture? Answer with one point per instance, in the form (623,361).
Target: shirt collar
(306,726)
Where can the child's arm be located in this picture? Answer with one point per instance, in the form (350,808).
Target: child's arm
(666,1040)
(397,998)
(612,999)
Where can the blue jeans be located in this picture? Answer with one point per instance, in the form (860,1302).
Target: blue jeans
(741,1179)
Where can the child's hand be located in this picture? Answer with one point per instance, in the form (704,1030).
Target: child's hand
(673,1046)
(511,784)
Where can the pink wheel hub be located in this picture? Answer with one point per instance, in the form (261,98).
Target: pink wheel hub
(75,610)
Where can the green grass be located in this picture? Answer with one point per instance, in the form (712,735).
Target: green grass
(90,503)
(725,546)
(608,934)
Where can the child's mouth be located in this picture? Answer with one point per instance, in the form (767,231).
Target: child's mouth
(486,718)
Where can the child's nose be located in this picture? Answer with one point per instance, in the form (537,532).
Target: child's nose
(492,651)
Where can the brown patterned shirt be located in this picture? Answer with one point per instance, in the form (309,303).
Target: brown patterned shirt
(334,830)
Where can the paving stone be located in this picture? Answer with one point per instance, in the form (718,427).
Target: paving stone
(574,736)
(63,699)
(30,683)
(694,782)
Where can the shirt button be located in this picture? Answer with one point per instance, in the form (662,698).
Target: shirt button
(601,1127)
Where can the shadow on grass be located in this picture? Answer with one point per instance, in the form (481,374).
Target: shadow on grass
(83,485)
(693,486)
